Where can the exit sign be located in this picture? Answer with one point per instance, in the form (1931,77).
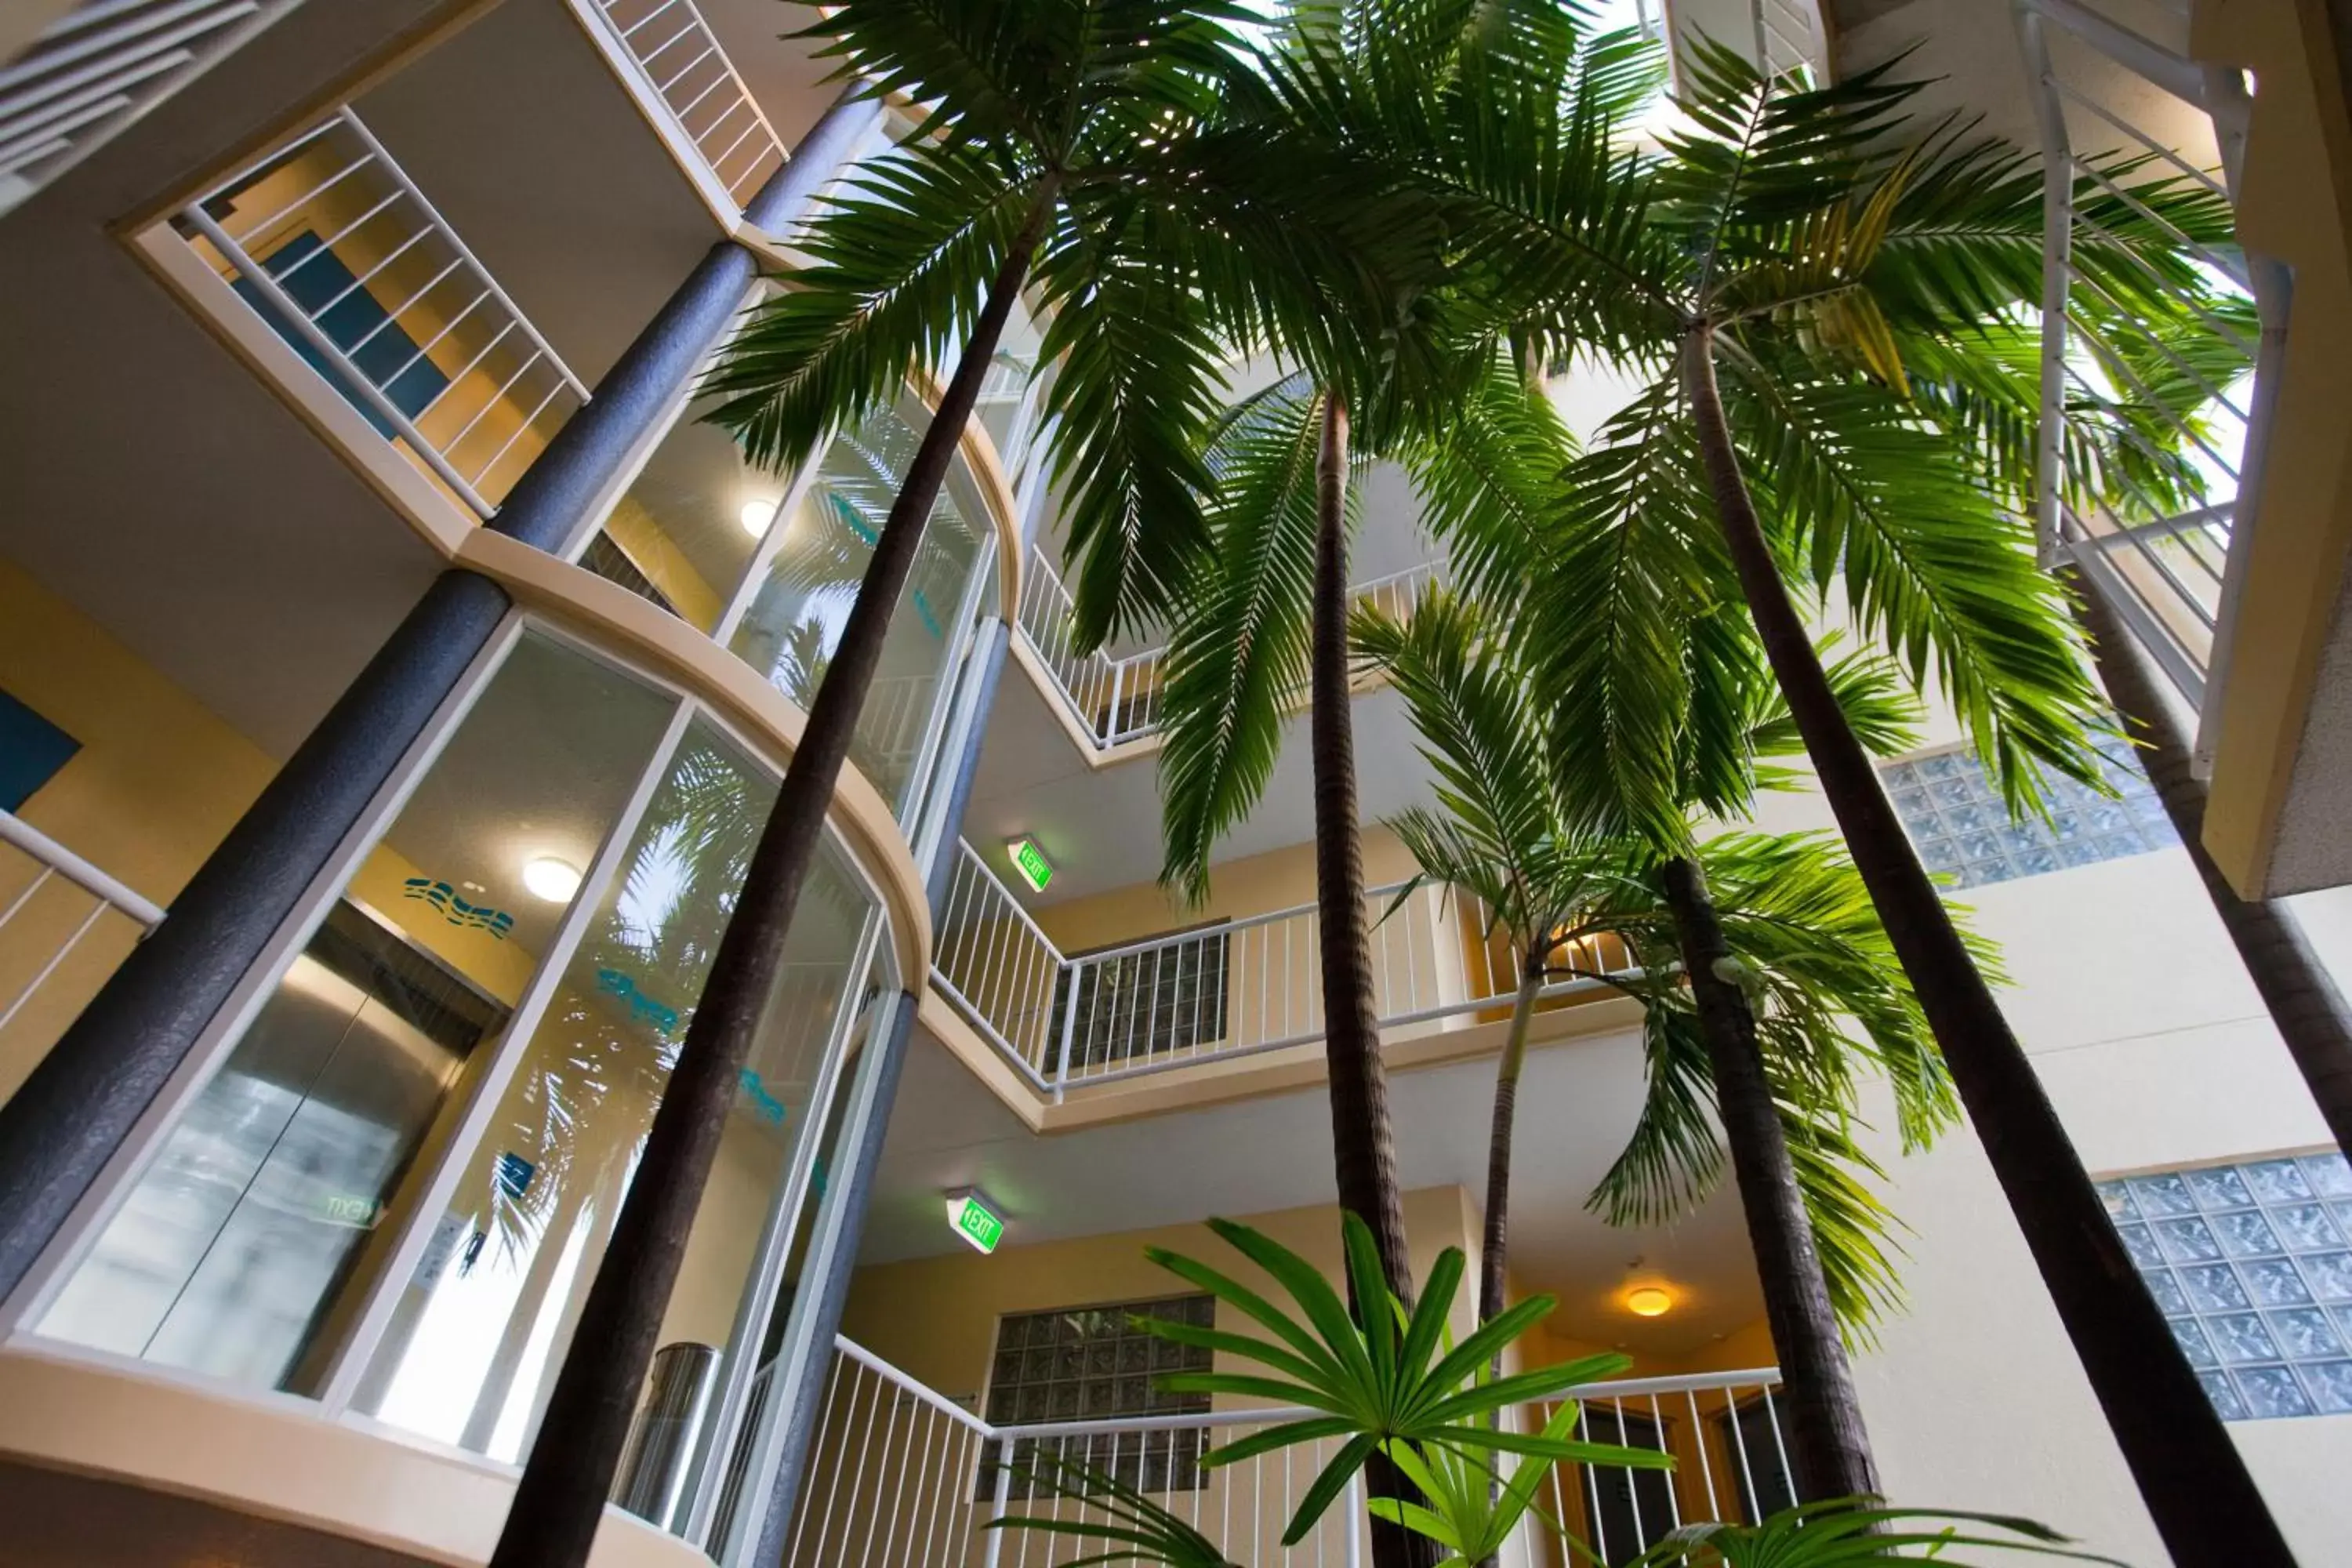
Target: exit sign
(975,1220)
(1030,862)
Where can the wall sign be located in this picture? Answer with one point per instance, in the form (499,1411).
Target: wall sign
(457,910)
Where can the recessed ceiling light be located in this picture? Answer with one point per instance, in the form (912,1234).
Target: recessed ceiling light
(758,513)
(550,879)
(1649,1301)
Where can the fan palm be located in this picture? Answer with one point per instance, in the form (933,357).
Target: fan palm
(1764,1049)
(1812,288)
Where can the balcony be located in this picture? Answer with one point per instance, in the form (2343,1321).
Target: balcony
(673,64)
(902,1474)
(1222,994)
(362,290)
(1111,705)
(99,67)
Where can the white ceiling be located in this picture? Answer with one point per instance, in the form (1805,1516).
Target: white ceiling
(1577,1103)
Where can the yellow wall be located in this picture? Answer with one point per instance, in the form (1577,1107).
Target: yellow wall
(935,1318)
(157,782)
(482,452)
(647,543)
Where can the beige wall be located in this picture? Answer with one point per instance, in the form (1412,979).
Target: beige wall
(2156,1052)
(157,782)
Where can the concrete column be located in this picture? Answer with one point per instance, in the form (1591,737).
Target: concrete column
(81,1102)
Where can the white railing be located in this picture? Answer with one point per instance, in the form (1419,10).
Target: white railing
(1117,700)
(676,59)
(62,898)
(2167,570)
(333,244)
(96,67)
(1215,992)
(1788,38)
(901,1476)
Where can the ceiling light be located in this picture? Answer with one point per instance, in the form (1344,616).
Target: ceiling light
(1649,1301)
(758,513)
(550,879)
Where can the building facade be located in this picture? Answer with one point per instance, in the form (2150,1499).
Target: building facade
(395,672)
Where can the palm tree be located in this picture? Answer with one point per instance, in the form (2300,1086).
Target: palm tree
(1807,288)
(1262,619)
(1792,949)
(1060,148)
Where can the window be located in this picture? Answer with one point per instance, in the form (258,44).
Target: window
(1094,1363)
(1166,998)
(1955,817)
(2251,1266)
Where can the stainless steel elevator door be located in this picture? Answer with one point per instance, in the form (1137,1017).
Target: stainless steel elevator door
(231,1251)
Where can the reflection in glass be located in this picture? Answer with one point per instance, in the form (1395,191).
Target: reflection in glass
(687,529)
(242,1249)
(749,1453)
(483,1323)
(797,614)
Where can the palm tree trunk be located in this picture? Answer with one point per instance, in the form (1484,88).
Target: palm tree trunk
(2205,1505)
(1492,1257)
(563,1487)
(1363,1145)
(1828,1448)
(2304,1004)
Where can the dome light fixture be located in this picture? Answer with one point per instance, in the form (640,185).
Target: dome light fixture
(1649,1301)
(757,513)
(550,879)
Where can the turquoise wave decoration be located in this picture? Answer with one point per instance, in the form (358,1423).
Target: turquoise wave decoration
(457,910)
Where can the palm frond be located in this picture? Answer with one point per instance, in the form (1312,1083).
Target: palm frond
(1239,653)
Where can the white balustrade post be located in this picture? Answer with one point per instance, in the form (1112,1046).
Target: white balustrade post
(1069,1031)
(1003,1499)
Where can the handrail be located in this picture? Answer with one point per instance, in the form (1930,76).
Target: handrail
(1216,993)
(2167,574)
(888,1482)
(22,835)
(676,35)
(1263,1416)
(489,317)
(1103,693)
(56,860)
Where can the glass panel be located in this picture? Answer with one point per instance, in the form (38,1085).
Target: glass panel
(803,601)
(686,530)
(243,1247)
(483,1324)
(2254,1275)
(1956,819)
(734,1492)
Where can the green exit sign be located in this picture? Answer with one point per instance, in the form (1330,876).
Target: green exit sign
(1030,862)
(975,1220)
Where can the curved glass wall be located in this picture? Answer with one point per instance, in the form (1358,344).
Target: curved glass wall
(395,1191)
(272,1197)
(771,570)
(802,599)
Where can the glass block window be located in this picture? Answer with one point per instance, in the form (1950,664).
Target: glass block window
(1093,1363)
(1141,1004)
(1955,814)
(2251,1266)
